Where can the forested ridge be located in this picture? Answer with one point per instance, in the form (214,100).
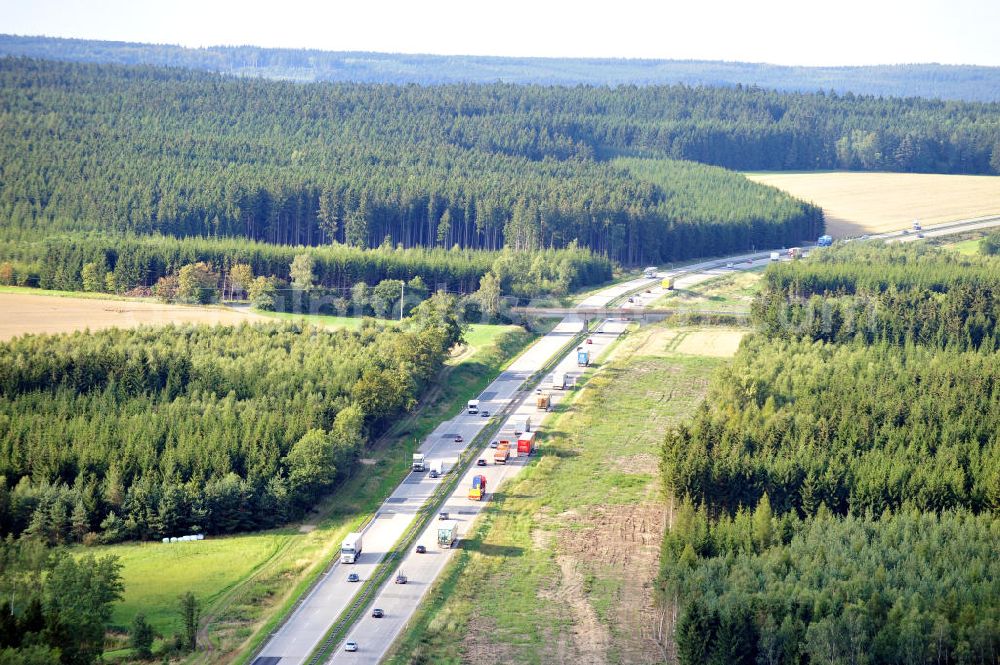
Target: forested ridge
(967,82)
(838,491)
(481,167)
(152,432)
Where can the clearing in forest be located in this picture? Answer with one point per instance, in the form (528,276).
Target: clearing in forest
(562,566)
(858,203)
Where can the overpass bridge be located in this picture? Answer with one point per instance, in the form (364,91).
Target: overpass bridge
(627,313)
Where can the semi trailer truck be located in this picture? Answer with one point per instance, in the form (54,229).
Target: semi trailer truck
(447,533)
(478,490)
(350,549)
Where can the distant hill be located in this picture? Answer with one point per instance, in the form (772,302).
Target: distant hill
(959,82)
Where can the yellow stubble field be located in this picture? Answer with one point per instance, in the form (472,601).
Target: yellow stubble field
(29,313)
(858,203)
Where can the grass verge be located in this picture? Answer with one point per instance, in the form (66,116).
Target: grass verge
(732,291)
(560,567)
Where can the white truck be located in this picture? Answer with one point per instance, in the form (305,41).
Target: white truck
(652,272)
(522,424)
(447,533)
(775,256)
(350,550)
(473,406)
(559,381)
(436,469)
(419,462)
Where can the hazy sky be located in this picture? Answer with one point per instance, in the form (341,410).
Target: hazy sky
(805,32)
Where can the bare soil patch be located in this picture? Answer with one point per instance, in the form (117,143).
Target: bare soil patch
(859,203)
(24,313)
(479,642)
(620,542)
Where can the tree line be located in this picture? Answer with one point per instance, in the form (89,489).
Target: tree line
(853,428)
(973,83)
(157,432)
(136,264)
(918,294)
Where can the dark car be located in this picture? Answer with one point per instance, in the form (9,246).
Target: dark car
(458,438)
(353,577)
(443,515)
(377,613)
(590,341)
(480,462)
(631,299)
(401,579)
(484,413)
(421,549)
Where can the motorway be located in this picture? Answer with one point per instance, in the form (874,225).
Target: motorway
(303,631)
(296,639)
(399,602)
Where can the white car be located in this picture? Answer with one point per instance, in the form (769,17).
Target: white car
(351,646)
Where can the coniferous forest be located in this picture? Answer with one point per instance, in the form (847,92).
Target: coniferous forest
(919,294)
(154,432)
(838,491)
(479,167)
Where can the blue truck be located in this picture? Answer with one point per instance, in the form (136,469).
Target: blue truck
(582,357)
(824,241)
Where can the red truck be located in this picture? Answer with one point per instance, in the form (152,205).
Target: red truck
(526,443)
(478,490)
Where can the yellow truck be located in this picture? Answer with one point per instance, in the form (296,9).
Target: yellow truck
(502,453)
(668,283)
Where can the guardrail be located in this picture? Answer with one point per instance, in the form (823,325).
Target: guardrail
(359,605)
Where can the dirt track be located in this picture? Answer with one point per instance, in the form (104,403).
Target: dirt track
(858,203)
(22,313)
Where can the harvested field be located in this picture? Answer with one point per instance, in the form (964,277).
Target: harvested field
(25,313)
(859,203)
(710,342)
